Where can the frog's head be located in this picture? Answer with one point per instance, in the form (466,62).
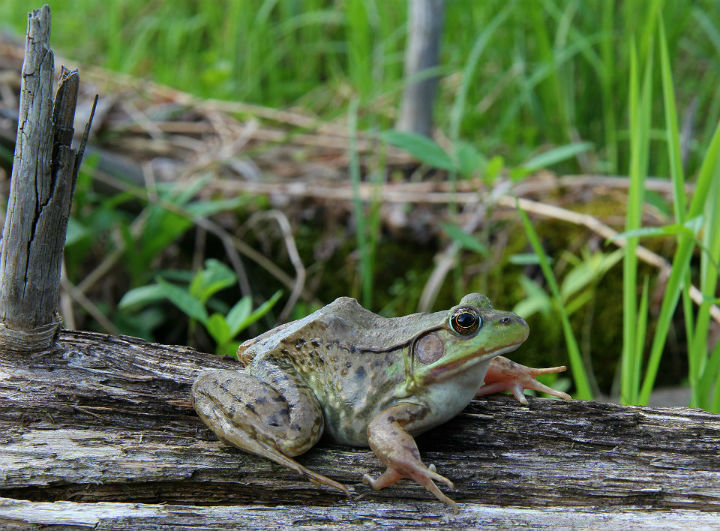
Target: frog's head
(472,333)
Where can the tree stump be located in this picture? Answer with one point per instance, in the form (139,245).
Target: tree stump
(42,182)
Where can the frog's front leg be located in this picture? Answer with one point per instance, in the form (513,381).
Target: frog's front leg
(389,438)
(268,413)
(506,375)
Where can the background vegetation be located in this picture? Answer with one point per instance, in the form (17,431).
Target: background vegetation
(581,80)
(553,72)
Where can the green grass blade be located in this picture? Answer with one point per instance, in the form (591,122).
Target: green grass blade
(482,40)
(639,142)
(576,364)
(671,129)
(606,79)
(555,155)
(680,266)
(708,284)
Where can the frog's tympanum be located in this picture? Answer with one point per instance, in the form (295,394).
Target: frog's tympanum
(365,380)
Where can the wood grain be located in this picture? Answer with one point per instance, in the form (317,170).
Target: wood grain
(108,419)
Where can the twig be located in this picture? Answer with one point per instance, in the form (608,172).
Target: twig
(87,305)
(447,258)
(227,239)
(293,254)
(595,225)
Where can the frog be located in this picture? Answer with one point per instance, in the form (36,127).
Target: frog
(365,380)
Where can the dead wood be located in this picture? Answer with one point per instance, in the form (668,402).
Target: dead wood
(43,179)
(108,419)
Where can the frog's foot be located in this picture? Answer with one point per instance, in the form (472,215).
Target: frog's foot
(422,474)
(506,375)
(396,448)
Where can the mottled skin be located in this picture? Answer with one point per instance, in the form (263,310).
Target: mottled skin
(365,380)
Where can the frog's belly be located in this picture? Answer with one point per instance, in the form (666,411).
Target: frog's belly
(347,415)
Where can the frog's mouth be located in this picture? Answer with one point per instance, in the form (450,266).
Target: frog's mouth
(448,369)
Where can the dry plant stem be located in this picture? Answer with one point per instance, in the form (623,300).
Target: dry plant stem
(426,192)
(421,53)
(300,273)
(66,306)
(79,297)
(603,230)
(183,98)
(420,194)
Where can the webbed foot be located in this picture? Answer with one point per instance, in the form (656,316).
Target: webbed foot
(506,375)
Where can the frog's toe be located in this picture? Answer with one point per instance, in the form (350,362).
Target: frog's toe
(430,486)
(424,476)
(387,478)
(506,375)
(319,479)
(438,477)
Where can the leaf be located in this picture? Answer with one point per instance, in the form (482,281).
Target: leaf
(587,272)
(261,310)
(141,296)
(76,232)
(468,158)
(463,238)
(535,301)
(493,168)
(213,206)
(690,228)
(524,259)
(214,277)
(218,328)
(422,148)
(237,315)
(182,298)
(556,155)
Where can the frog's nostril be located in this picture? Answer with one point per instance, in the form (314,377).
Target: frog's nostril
(506,320)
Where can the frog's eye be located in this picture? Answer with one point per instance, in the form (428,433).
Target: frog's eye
(465,321)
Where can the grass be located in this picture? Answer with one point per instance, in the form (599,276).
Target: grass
(550,74)
(573,83)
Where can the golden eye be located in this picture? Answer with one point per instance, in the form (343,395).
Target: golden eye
(465,321)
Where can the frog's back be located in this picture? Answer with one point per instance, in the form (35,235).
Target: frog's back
(342,321)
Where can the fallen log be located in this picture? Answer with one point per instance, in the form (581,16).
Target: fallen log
(108,419)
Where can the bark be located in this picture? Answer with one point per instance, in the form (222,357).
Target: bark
(108,419)
(421,56)
(42,182)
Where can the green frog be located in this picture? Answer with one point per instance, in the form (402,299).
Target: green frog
(365,380)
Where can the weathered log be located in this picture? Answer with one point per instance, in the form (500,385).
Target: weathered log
(109,419)
(42,182)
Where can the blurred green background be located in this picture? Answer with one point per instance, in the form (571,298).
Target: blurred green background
(553,71)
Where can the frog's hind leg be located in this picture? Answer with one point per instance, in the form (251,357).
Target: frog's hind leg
(275,419)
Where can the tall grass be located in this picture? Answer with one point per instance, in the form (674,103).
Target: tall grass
(554,72)
(700,215)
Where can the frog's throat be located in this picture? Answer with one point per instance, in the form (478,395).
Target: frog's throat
(412,384)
